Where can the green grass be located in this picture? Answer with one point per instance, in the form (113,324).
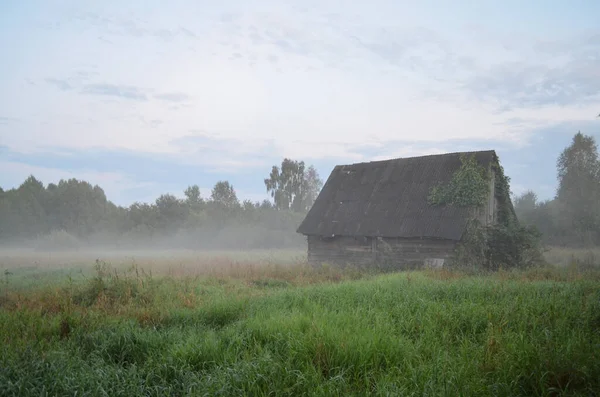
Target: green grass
(269,329)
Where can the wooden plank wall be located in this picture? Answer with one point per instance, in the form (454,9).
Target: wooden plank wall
(411,253)
(386,252)
(488,213)
(340,250)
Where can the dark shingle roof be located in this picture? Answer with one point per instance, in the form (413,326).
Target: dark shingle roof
(389,199)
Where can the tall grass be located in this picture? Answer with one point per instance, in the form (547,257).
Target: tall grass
(294,330)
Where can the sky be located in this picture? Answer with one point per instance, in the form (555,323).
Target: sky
(145,97)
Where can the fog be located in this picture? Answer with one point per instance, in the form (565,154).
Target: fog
(74,216)
(190,248)
(175,255)
(241,238)
(149,258)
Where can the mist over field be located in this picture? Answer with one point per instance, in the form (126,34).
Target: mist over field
(227,238)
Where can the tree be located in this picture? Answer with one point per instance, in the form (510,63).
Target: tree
(171,211)
(248,206)
(224,194)
(525,203)
(313,185)
(579,187)
(142,214)
(193,198)
(266,205)
(292,186)
(76,206)
(539,214)
(82,210)
(30,203)
(580,159)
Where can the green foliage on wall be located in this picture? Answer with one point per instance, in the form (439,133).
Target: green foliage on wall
(506,215)
(504,244)
(469,186)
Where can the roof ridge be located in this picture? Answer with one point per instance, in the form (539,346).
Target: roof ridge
(419,157)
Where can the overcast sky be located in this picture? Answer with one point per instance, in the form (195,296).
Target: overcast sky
(147,97)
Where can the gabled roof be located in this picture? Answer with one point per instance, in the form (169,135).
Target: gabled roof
(389,199)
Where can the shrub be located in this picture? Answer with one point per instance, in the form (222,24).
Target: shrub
(499,246)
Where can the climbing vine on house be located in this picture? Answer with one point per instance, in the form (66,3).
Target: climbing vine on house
(469,186)
(505,215)
(505,244)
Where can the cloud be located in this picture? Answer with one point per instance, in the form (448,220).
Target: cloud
(520,85)
(173,97)
(221,155)
(507,74)
(119,91)
(60,84)
(116,23)
(529,72)
(8,120)
(188,33)
(154,123)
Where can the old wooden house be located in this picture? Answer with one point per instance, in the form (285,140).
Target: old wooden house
(379,212)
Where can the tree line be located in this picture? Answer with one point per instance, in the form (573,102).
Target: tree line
(73,212)
(572,217)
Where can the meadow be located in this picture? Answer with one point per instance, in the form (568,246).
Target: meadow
(264,323)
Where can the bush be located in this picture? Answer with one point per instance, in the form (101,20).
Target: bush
(513,246)
(499,246)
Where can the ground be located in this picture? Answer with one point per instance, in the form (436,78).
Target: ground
(263,323)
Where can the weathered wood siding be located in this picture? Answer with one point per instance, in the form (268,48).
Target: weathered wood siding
(487,214)
(340,250)
(387,252)
(411,253)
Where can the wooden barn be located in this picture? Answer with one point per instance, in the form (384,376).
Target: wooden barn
(378,212)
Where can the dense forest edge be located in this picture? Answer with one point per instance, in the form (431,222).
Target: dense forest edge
(74,214)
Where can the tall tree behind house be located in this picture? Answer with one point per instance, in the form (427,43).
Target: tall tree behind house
(579,187)
(292,186)
(572,218)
